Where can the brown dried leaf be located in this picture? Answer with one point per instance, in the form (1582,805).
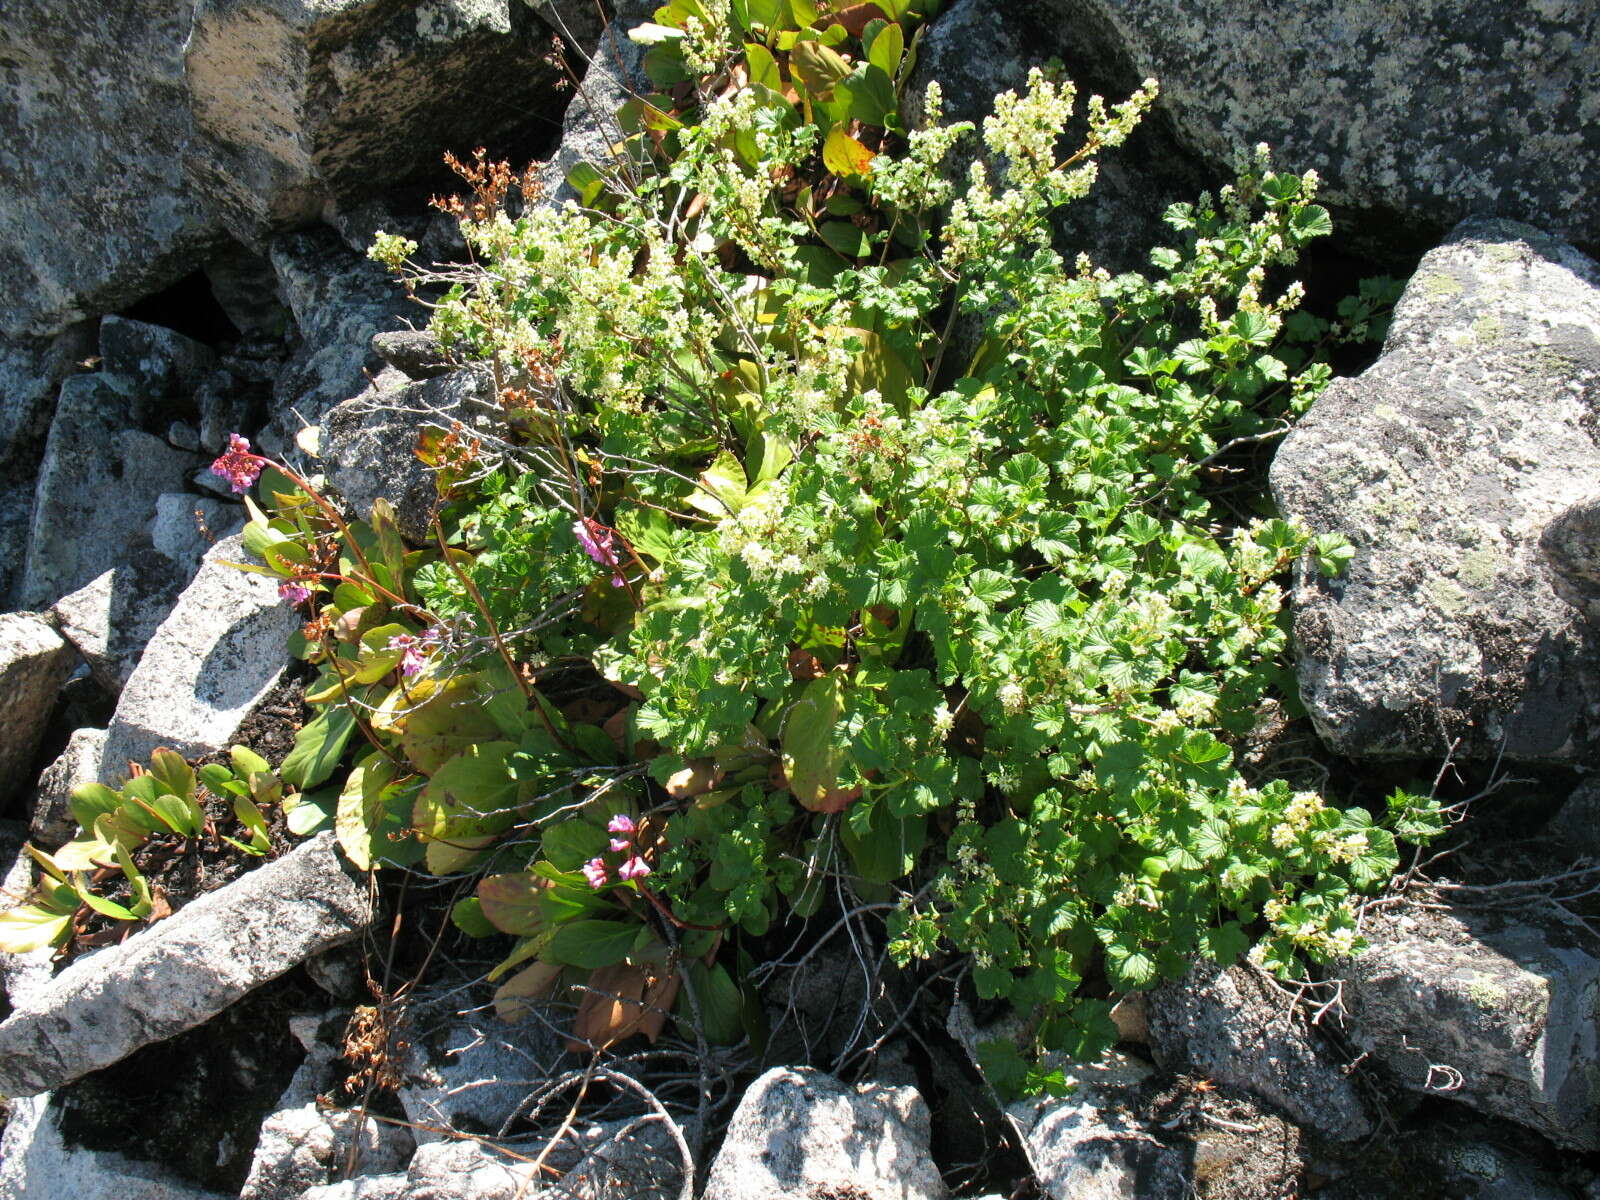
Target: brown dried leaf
(620,1001)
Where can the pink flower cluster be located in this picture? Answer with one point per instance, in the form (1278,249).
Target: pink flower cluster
(294,592)
(238,465)
(600,544)
(413,649)
(598,872)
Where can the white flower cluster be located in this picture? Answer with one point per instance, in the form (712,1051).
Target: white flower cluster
(705,42)
(1303,808)
(915,182)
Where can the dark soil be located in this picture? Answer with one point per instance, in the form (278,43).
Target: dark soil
(180,869)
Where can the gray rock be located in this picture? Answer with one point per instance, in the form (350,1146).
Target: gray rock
(97,487)
(111,619)
(243,285)
(414,352)
(93,210)
(363,1187)
(369,442)
(179,972)
(36,1163)
(303,1145)
(828,1006)
(227,404)
(21,975)
(1443,463)
(471,1074)
(612,73)
(182,522)
(183,436)
(340,972)
(1474,1164)
(52,823)
(1225,1025)
(454,1170)
(1571,543)
(798,1132)
(297,104)
(1576,826)
(339,300)
(1416,115)
(1091,1145)
(1495,1012)
(31,372)
(222,646)
(152,362)
(30,380)
(34,663)
(625,1160)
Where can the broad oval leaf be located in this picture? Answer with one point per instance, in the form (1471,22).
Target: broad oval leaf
(812,757)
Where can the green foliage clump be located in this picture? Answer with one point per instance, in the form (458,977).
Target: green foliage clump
(163,801)
(843,538)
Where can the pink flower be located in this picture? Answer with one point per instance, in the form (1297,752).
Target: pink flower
(238,465)
(595,872)
(634,868)
(620,845)
(622,823)
(294,592)
(411,659)
(600,544)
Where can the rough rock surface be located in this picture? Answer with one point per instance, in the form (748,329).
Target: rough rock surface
(1571,543)
(304,1145)
(798,1132)
(21,975)
(34,663)
(1426,112)
(36,1163)
(613,73)
(97,487)
(456,1170)
(1576,826)
(183,970)
(155,363)
(52,823)
(111,619)
(93,210)
(1227,1027)
(295,104)
(369,442)
(471,1074)
(1494,1012)
(219,649)
(176,529)
(1443,463)
(31,372)
(339,300)
(416,353)
(1090,1146)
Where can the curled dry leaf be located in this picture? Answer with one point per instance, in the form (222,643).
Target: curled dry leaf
(620,1001)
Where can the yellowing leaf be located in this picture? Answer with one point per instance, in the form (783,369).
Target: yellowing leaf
(845,156)
(29,927)
(722,488)
(811,758)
